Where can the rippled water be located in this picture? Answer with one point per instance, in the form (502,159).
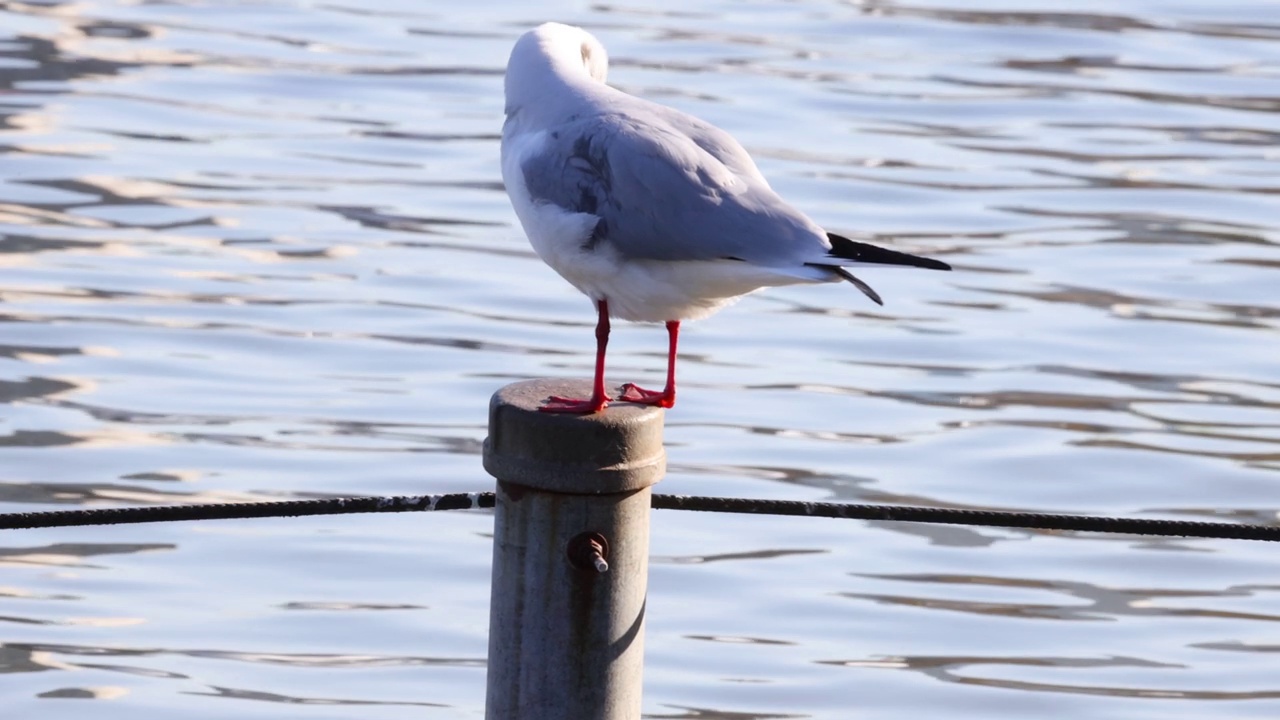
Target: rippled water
(261,250)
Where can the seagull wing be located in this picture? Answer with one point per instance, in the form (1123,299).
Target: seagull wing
(661,191)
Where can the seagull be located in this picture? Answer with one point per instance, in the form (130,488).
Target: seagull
(653,214)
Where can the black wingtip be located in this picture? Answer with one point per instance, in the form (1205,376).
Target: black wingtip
(846,249)
(865,288)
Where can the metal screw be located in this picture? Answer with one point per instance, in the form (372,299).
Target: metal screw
(589,551)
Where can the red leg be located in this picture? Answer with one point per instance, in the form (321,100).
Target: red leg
(666,398)
(598,399)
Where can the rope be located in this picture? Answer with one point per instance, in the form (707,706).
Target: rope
(228,511)
(988,518)
(471,501)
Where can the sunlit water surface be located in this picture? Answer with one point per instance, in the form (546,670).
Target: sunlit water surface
(261,250)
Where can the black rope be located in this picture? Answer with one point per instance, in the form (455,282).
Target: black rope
(989,518)
(228,511)
(469,501)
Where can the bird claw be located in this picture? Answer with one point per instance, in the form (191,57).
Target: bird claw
(635,394)
(575,406)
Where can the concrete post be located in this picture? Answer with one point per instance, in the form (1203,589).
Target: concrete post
(570,554)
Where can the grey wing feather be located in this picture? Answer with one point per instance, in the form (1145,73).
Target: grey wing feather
(716,142)
(666,192)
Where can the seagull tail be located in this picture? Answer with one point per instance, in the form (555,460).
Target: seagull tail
(849,251)
(865,288)
(860,252)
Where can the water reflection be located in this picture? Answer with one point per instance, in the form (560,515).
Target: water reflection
(679,712)
(97,494)
(28,658)
(1098,22)
(962,671)
(29,650)
(86,693)
(73,554)
(733,557)
(267,254)
(1102,603)
(245,694)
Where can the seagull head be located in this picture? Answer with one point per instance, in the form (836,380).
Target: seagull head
(552,53)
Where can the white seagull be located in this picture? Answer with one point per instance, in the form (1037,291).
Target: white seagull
(655,215)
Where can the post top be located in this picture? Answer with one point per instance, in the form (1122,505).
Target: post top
(617,450)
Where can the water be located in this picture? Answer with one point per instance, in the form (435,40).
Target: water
(261,250)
